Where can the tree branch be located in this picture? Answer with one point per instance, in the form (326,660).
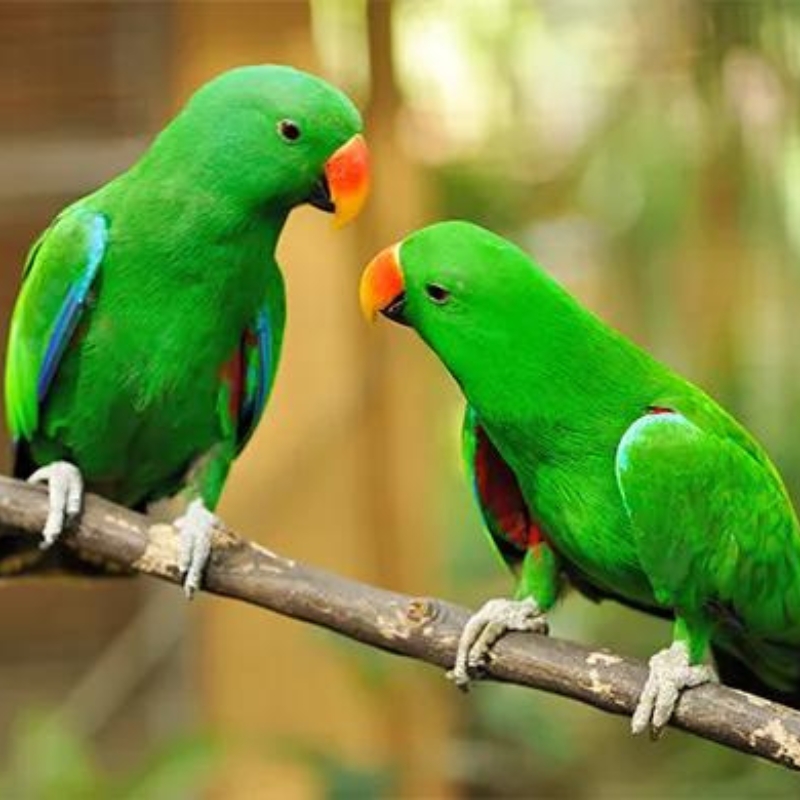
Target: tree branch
(421,628)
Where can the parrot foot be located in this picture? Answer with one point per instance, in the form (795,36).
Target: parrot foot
(670,674)
(65,488)
(493,620)
(195,528)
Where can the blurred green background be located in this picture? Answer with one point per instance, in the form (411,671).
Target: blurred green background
(647,153)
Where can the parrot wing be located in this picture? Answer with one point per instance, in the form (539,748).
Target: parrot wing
(716,534)
(57,279)
(503,507)
(247,378)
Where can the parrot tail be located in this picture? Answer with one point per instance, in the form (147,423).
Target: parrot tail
(735,673)
(781,663)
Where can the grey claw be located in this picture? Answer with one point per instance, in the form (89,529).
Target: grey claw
(492,621)
(670,673)
(65,491)
(196,528)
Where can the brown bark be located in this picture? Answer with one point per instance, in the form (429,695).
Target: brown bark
(424,629)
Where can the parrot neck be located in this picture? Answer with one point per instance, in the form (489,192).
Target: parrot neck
(573,378)
(199,197)
(228,193)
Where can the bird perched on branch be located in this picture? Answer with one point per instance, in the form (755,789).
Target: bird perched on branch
(596,465)
(148,328)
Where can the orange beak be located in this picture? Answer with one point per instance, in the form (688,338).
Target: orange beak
(382,288)
(347,174)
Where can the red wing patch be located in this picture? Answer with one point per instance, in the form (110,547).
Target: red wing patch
(500,494)
(232,372)
(660,410)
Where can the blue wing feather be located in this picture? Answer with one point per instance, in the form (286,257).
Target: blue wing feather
(58,276)
(257,350)
(72,308)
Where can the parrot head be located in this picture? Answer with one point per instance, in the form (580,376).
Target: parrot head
(274,137)
(477,300)
(456,284)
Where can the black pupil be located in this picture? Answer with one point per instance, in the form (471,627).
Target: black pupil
(290,131)
(437,293)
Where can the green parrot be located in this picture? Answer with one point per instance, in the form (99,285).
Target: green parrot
(145,339)
(597,466)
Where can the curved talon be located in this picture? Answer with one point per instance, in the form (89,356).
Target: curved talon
(65,491)
(493,620)
(670,674)
(195,528)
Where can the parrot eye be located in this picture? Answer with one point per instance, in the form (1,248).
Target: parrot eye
(289,130)
(437,293)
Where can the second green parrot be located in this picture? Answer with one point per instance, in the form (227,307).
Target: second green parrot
(148,328)
(596,465)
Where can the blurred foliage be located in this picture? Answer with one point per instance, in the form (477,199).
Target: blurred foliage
(46,760)
(340,779)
